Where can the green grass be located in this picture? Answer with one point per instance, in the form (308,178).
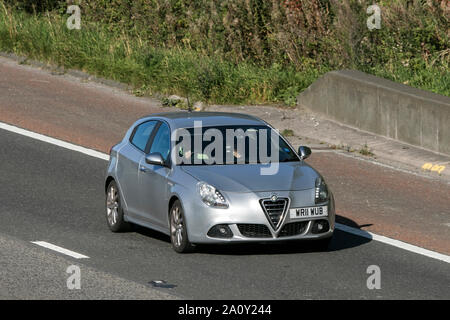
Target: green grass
(288,133)
(365,151)
(105,53)
(126,57)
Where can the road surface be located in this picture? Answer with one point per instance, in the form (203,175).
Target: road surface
(56,195)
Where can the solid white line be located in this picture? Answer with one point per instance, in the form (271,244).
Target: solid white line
(358,232)
(56,142)
(70,253)
(393,242)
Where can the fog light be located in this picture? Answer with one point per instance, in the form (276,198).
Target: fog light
(220,231)
(320,226)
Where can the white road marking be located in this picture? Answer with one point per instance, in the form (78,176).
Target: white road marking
(100,155)
(67,252)
(56,142)
(393,242)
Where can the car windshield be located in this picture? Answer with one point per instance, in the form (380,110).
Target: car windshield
(223,145)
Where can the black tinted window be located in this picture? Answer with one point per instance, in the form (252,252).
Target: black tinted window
(142,134)
(161,143)
(252,139)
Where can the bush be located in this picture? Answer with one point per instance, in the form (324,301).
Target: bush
(234,51)
(35,6)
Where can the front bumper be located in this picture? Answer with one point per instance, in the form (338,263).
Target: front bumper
(245,210)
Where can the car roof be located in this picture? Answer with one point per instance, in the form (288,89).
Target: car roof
(185,119)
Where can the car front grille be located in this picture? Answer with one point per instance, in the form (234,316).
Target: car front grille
(275,210)
(293,229)
(254,230)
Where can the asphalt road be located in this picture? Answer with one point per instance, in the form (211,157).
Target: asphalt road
(403,206)
(56,195)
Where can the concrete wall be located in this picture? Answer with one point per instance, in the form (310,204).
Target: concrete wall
(383,107)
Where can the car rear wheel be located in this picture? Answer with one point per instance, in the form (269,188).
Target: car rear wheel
(178,232)
(114,210)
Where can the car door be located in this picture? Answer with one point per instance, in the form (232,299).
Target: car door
(128,165)
(153,183)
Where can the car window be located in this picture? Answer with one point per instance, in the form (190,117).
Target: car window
(252,138)
(142,134)
(161,142)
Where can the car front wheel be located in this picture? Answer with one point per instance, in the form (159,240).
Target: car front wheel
(114,210)
(178,232)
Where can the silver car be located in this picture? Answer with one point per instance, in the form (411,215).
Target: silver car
(212,177)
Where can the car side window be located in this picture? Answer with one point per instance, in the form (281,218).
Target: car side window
(142,134)
(161,142)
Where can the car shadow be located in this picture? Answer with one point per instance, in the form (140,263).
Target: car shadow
(150,233)
(350,222)
(342,240)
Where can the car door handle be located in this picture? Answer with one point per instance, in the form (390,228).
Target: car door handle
(143,169)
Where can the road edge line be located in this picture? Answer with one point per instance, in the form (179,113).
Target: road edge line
(57,142)
(393,242)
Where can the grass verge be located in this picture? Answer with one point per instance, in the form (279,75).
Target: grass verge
(109,54)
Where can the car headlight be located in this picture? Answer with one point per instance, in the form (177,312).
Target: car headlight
(321,191)
(211,196)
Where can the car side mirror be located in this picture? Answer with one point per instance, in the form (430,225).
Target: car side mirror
(155,159)
(304,152)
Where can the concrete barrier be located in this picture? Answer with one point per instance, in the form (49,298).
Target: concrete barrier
(383,107)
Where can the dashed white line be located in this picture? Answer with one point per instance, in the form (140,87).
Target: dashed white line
(100,155)
(67,252)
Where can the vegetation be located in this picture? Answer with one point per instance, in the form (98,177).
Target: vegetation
(365,150)
(288,133)
(234,51)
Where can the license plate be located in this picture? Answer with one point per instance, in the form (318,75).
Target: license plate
(309,212)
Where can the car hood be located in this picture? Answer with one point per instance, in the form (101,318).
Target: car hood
(248,178)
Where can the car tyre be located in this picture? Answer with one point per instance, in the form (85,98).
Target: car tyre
(114,210)
(178,232)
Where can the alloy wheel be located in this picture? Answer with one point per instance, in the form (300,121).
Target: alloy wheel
(112,205)
(176,226)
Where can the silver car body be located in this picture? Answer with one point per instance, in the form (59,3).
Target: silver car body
(147,191)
